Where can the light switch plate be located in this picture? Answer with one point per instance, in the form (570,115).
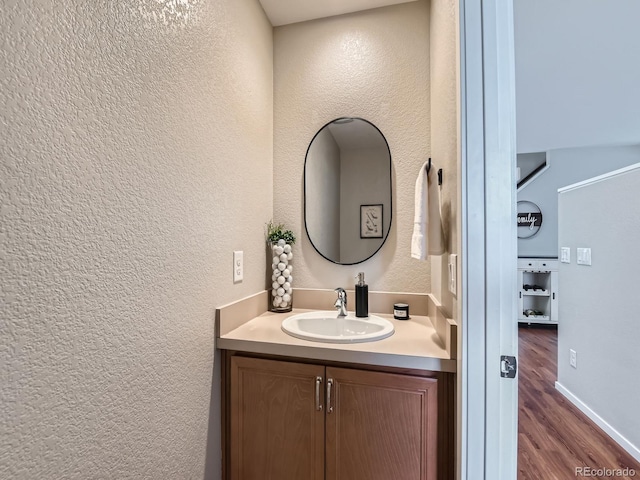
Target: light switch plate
(584,256)
(453,274)
(565,255)
(238,266)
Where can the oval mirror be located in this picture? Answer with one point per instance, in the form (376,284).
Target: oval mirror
(347,190)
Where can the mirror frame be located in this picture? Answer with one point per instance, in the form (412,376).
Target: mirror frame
(304,188)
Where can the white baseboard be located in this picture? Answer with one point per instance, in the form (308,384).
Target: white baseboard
(598,420)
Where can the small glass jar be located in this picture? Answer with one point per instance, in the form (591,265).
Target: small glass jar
(280,263)
(401,311)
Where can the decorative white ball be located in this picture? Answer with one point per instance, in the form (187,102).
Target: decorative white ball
(287,248)
(276,260)
(283,257)
(286,272)
(290,279)
(273,277)
(274,266)
(286,297)
(278,250)
(277,301)
(284,304)
(281,266)
(280,281)
(286,285)
(290,267)
(273,292)
(280,291)
(289,256)
(281,242)
(275,285)
(290,291)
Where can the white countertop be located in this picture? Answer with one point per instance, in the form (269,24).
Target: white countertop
(414,344)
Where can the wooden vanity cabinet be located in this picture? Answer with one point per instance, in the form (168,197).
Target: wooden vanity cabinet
(289,420)
(380,426)
(276,430)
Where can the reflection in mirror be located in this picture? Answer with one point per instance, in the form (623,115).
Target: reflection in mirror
(347,190)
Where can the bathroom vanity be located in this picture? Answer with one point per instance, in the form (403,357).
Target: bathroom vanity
(297,409)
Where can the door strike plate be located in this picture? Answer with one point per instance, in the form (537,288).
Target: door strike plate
(508,366)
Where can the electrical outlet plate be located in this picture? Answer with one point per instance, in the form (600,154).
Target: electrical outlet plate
(238,266)
(565,255)
(573,358)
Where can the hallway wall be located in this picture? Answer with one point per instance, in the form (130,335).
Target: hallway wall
(598,308)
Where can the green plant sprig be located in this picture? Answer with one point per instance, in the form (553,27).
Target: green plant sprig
(279,232)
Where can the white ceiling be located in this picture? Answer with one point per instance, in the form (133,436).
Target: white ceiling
(283,12)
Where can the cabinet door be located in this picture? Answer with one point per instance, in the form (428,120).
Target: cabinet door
(276,426)
(380,426)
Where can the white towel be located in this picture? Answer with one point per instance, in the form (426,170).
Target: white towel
(427,238)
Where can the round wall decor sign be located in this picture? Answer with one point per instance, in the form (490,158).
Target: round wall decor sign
(529,218)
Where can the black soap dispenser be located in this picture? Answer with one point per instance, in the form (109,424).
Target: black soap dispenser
(362,297)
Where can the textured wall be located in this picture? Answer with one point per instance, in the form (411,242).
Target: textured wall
(135,152)
(373,65)
(444,136)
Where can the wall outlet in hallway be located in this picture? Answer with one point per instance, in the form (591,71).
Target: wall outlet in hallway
(573,358)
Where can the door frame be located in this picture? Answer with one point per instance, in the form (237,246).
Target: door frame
(487,403)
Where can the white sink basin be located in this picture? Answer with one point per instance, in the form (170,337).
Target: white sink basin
(328,327)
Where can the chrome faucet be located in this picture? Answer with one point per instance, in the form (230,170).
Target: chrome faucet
(341,302)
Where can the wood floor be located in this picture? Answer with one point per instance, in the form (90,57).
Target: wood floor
(554,437)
